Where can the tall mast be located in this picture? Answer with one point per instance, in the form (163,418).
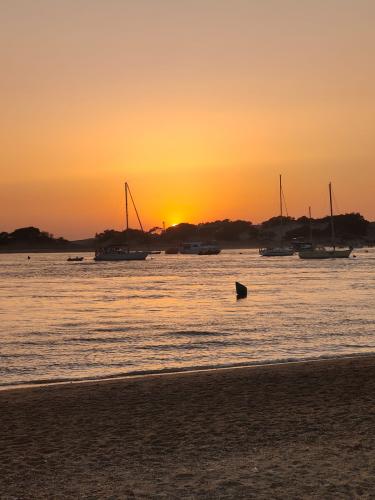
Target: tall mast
(310,225)
(126,206)
(332,224)
(281,199)
(281,207)
(135,209)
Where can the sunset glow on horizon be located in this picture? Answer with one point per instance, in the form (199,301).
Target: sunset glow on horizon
(199,106)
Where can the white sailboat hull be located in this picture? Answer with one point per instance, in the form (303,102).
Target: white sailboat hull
(118,253)
(281,250)
(276,252)
(198,248)
(121,256)
(323,253)
(330,252)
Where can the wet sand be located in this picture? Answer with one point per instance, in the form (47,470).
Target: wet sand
(304,430)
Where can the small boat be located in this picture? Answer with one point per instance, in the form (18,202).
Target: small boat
(112,253)
(276,251)
(210,251)
(199,248)
(280,250)
(325,253)
(119,253)
(332,252)
(172,250)
(302,245)
(74,259)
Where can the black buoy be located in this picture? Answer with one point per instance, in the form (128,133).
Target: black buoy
(241,290)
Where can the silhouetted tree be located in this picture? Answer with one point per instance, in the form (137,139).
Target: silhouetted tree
(351,225)
(4,238)
(236,230)
(275,221)
(31,234)
(180,232)
(31,237)
(130,236)
(302,231)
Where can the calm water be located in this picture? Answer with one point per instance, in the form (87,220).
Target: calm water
(61,320)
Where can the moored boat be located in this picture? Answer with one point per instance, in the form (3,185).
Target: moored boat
(325,253)
(280,250)
(210,251)
(122,252)
(199,248)
(276,251)
(119,253)
(332,252)
(172,250)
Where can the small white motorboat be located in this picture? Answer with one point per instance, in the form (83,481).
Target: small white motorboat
(118,253)
(199,248)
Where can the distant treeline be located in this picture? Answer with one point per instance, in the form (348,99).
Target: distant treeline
(31,238)
(349,228)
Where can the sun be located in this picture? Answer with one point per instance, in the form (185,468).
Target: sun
(174,221)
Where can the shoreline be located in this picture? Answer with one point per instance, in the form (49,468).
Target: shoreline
(292,430)
(172,371)
(151,248)
(161,248)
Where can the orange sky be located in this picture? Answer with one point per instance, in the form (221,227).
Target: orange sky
(199,105)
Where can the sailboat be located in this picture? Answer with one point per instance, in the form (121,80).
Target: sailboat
(121,252)
(281,250)
(323,252)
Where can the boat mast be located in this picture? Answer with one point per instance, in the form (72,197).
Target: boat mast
(126,206)
(332,224)
(127,190)
(281,208)
(310,225)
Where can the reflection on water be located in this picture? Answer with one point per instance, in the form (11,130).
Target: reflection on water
(61,320)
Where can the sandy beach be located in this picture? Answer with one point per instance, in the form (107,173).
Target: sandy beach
(303,430)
